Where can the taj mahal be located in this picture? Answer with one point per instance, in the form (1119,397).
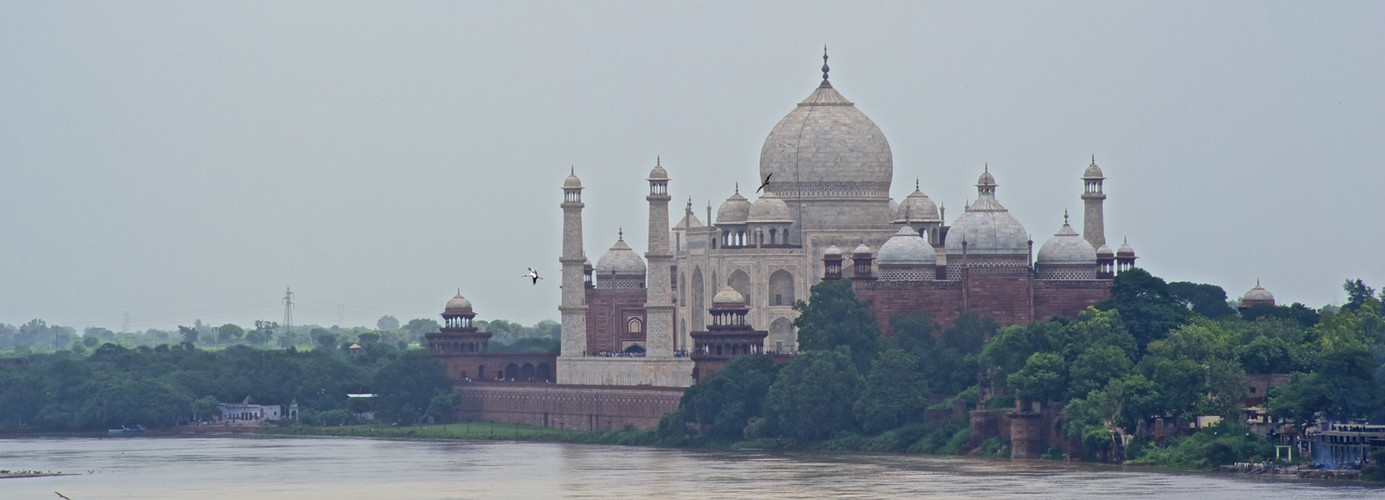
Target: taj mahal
(708,289)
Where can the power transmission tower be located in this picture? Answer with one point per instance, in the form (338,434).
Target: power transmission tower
(288,310)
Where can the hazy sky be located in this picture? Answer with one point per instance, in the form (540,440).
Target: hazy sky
(188,160)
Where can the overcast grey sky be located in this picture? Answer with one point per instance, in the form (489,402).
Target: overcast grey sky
(188,160)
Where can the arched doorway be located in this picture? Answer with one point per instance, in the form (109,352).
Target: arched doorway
(512,371)
(544,373)
(526,372)
(635,350)
(740,281)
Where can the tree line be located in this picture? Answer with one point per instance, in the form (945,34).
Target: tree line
(1154,350)
(37,336)
(176,384)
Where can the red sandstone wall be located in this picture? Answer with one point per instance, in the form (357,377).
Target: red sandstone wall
(567,406)
(1068,298)
(487,366)
(606,312)
(1003,297)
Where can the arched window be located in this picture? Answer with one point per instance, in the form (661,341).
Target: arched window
(740,281)
(697,309)
(781,290)
(634,325)
(781,334)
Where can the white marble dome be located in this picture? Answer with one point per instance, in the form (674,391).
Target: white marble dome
(728,297)
(827,144)
(1093,171)
(620,260)
(1105,251)
(658,173)
(1125,250)
(458,305)
(769,208)
(917,207)
(1066,248)
(987,226)
(572,182)
(833,251)
(735,210)
(906,248)
(861,250)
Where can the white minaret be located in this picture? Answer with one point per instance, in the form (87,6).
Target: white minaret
(1093,226)
(658,302)
(574,305)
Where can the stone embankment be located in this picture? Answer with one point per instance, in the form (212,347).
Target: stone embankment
(1300,471)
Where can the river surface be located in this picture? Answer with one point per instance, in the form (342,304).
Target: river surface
(348,468)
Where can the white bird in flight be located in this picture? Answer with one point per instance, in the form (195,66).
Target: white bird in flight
(532,274)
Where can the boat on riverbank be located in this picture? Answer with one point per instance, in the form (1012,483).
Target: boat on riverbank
(126,431)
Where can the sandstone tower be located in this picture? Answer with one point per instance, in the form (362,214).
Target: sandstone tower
(658,304)
(574,304)
(1093,225)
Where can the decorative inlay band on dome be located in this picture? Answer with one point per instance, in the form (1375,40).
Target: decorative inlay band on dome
(791,190)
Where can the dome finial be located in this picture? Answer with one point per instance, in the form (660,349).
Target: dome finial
(916,184)
(825,84)
(1094,159)
(986,167)
(1065,216)
(620,233)
(571,170)
(657,161)
(738,188)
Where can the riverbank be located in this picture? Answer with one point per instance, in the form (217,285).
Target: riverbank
(18,474)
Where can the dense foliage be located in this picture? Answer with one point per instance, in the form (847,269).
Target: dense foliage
(1155,350)
(167,385)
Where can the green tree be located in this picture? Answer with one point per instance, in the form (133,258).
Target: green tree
(189,334)
(1043,379)
(834,317)
(812,395)
(1146,307)
(1358,295)
(205,407)
(723,403)
(387,322)
(896,392)
(405,386)
(417,328)
(229,333)
(1097,366)
(1203,299)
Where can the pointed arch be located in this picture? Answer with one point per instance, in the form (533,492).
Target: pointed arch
(697,310)
(740,281)
(781,336)
(781,288)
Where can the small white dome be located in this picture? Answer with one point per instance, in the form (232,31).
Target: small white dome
(728,297)
(1066,248)
(906,248)
(861,250)
(572,182)
(1125,250)
(1258,294)
(621,261)
(917,207)
(987,226)
(769,208)
(658,173)
(1105,251)
(735,210)
(1093,171)
(832,251)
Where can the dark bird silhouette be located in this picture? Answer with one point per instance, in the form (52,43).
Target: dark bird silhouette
(532,274)
(765,183)
(64,497)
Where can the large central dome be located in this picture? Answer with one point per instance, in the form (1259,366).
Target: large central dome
(826,149)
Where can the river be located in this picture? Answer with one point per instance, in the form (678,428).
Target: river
(347,468)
